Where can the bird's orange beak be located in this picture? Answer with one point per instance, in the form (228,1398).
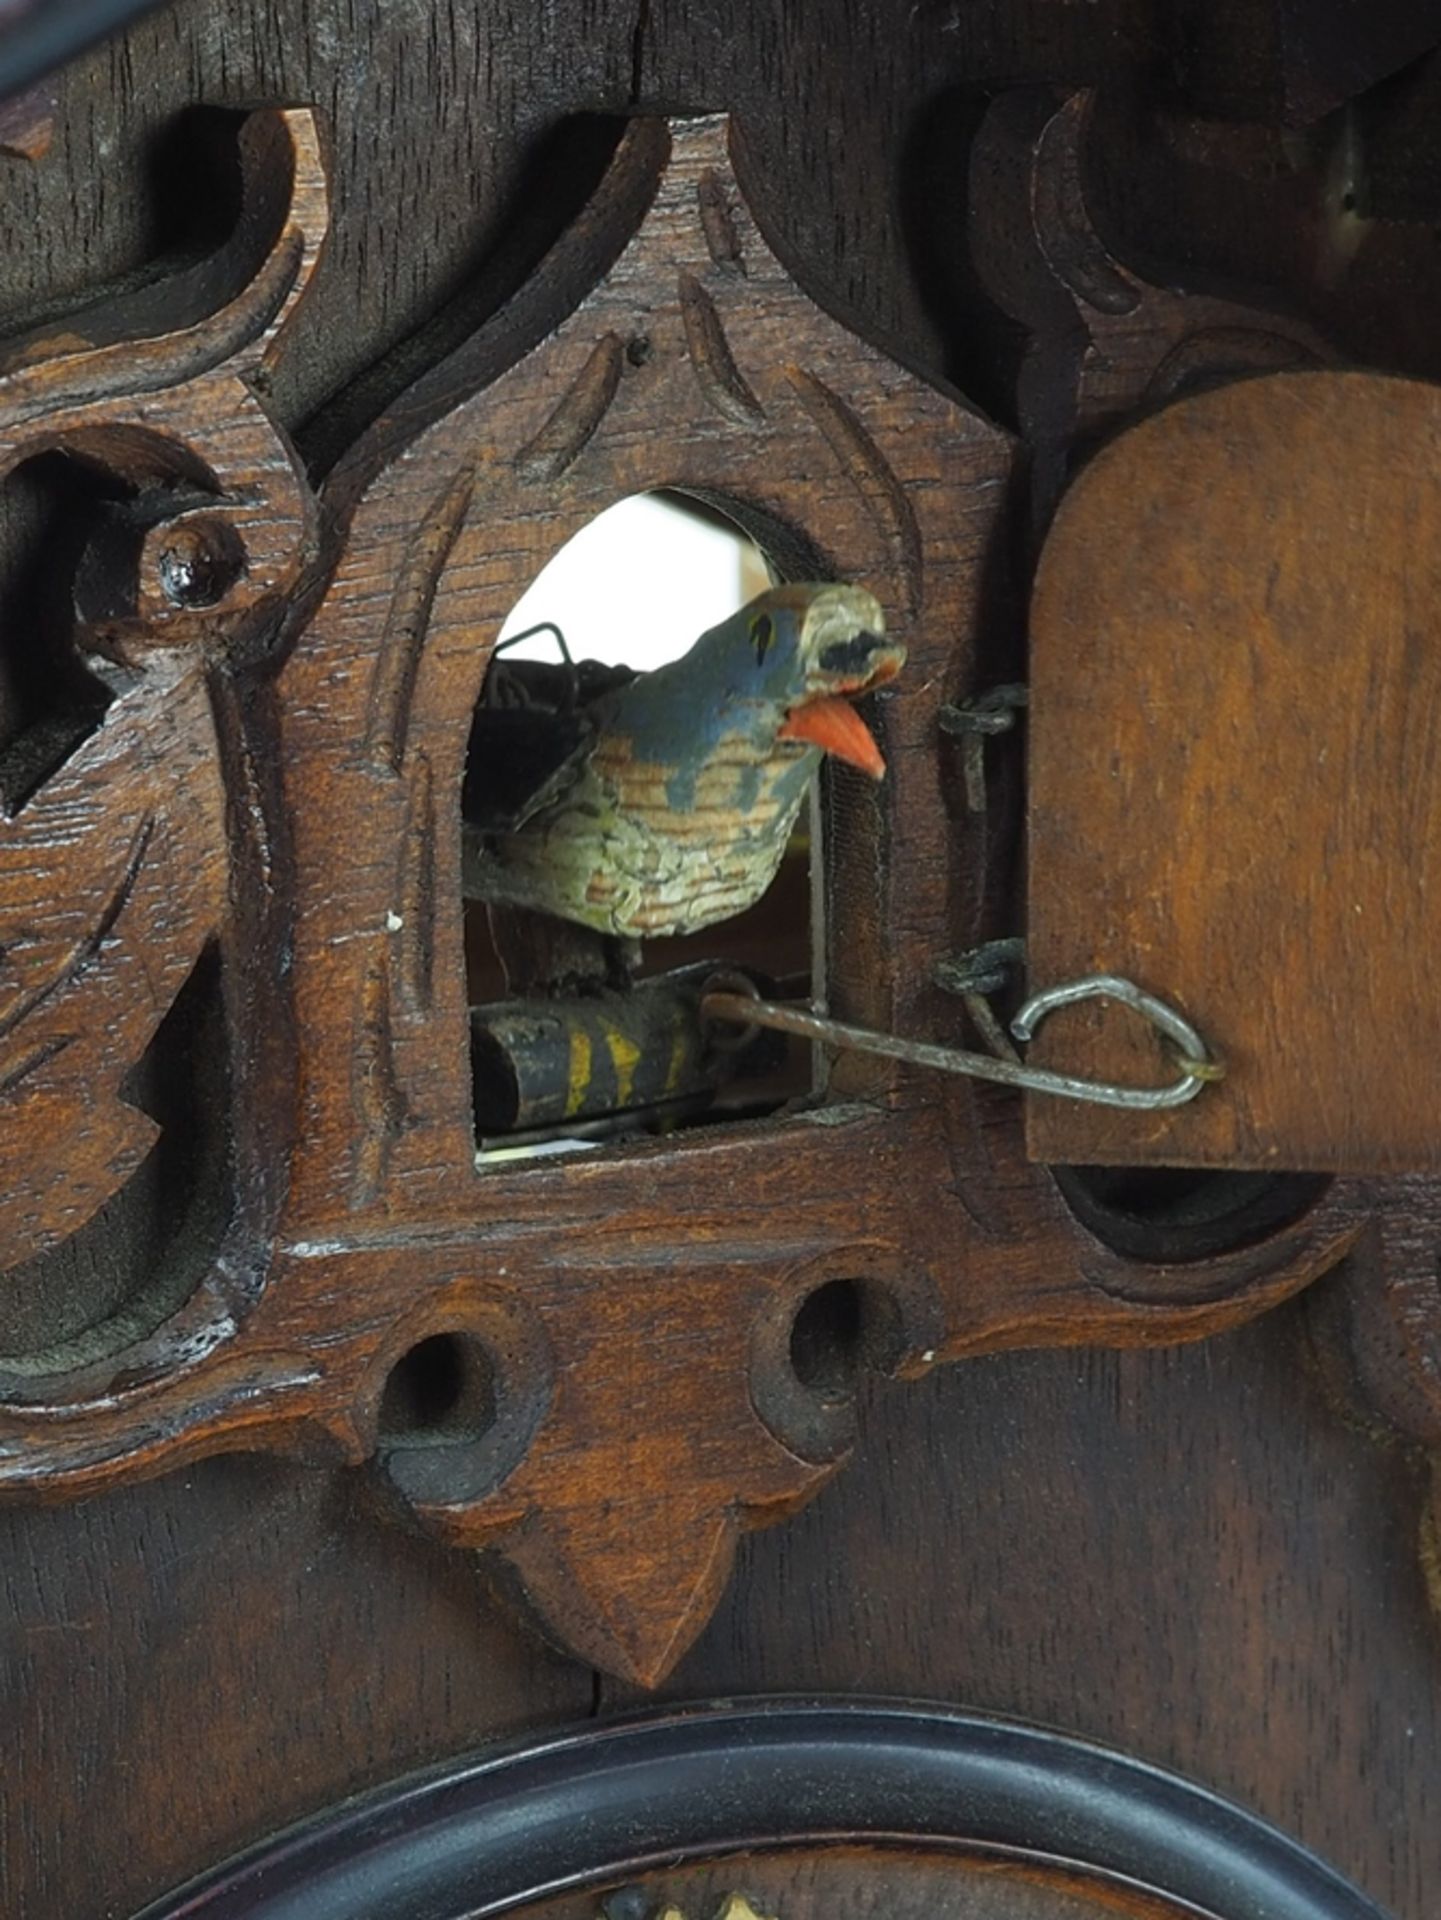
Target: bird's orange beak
(833,725)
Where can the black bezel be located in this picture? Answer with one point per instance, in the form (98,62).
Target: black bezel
(593,1808)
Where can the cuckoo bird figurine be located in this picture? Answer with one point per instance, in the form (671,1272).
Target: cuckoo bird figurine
(648,804)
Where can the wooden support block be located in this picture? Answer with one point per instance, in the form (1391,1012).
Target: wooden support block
(1235,749)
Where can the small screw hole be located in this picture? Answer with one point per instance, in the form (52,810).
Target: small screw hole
(442,1392)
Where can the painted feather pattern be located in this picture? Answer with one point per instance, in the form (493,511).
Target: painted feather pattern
(674,811)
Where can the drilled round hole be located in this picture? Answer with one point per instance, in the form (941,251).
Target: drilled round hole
(829,1339)
(810,1346)
(442,1392)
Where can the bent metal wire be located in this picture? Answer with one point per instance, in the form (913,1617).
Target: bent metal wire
(741,1005)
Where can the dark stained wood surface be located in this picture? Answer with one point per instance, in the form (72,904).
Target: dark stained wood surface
(1188,1553)
(1104,342)
(185,1667)
(439,117)
(1254,833)
(1191,1555)
(1278,60)
(485,1333)
(114,872)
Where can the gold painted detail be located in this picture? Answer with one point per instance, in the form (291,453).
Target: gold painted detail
(578,1080)
(625,1058)
(629,1903)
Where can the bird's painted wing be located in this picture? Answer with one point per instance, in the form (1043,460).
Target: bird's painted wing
(530,738)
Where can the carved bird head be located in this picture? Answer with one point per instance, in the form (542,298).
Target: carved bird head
(672,803)
(786,667)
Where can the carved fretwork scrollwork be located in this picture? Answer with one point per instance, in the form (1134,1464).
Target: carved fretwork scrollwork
(1104,340)
(114,871)
(616,1335)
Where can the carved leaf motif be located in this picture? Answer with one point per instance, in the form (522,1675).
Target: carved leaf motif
(158,387)
(113,875)
(721,380)
(565,435)
(110,885)
(871,474)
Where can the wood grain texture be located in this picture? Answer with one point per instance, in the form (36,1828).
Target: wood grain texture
(1188,1554)
(614,1471)
(1185,1552)
(187,1664)
(1295,63)
(1255,835)
(1103,340)
(1204,204)
(1375,1335)
(115,868)
(593,1809)
(472,99)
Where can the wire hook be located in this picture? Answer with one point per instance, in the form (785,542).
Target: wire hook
(1198,1067)
(741,1007)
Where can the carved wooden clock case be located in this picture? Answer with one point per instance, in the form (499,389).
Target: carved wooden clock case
(333,1446)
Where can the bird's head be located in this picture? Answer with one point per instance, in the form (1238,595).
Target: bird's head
(804,653)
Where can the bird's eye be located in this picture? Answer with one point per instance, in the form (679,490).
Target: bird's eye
(762,634)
